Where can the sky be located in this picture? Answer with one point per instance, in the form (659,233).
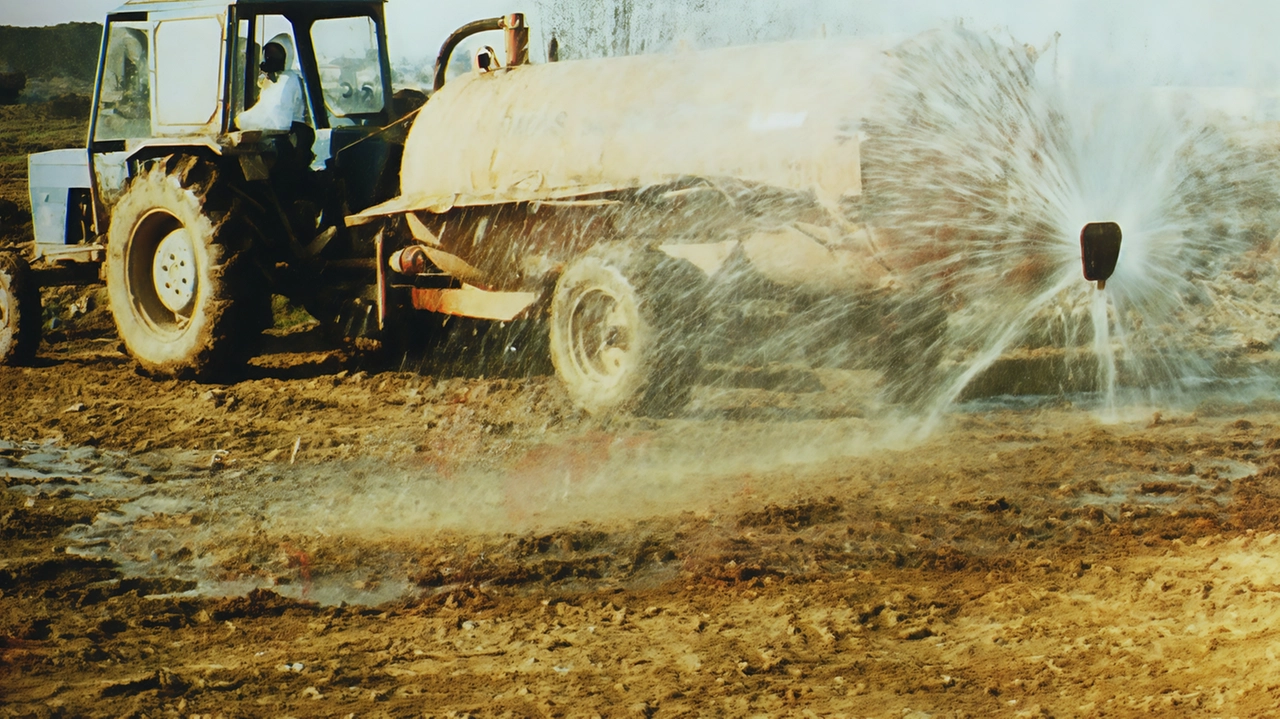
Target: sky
(416,27)
(1167,42)
(407,18)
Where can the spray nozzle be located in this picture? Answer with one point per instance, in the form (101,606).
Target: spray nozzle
(1099,251)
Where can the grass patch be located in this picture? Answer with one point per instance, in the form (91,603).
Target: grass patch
(287,315)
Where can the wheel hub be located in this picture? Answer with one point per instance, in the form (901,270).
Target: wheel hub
(174,271)
(601,336)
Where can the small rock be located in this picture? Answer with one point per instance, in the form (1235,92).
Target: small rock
(312,693)
(915,635)
(77,407)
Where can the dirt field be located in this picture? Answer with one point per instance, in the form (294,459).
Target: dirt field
(317,541)
(322,539)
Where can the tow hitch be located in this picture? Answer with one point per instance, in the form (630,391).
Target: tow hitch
(1099,250)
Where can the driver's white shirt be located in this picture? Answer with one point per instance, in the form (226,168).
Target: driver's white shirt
(279,105)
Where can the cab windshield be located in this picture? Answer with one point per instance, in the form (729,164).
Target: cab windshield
(350,70)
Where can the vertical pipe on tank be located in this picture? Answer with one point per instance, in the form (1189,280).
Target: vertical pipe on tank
(517,35)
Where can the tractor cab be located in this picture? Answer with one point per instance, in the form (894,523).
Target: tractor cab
(228,140)
(190,76)
(195,73)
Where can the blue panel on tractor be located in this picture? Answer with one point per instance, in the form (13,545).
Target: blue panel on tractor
(53,175)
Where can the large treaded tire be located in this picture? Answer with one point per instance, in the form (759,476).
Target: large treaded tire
(217,331)
(624,330)
(20,311)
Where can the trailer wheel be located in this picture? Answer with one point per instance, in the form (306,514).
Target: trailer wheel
(20,312)
(623,330)
(178,271)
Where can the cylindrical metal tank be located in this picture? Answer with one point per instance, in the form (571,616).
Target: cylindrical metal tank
(785,115)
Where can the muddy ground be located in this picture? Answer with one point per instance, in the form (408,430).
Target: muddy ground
(321,540)
(324,538)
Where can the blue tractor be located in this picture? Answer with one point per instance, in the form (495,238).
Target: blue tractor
(190,206)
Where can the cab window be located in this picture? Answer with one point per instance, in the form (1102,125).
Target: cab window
(124,99)
(350,69)
(188,73)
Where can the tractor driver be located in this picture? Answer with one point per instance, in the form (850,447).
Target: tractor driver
(280,102)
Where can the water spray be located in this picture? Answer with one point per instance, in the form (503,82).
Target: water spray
(1099,251)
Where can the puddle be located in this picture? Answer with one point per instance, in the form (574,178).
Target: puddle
(1162,490)
(353,531)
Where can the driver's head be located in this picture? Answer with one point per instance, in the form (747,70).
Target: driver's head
(273,58)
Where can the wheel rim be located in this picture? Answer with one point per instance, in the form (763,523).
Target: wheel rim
(602,337)
(160,253)
(173,270)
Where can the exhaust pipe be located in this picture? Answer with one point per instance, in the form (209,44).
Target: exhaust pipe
(1099,251)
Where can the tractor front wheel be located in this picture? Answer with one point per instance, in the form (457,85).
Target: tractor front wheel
(178,271)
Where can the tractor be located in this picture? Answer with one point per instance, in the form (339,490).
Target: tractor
(635,206)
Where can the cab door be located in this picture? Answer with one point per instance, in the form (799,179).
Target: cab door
(160,83)
(189,64)
(122,113)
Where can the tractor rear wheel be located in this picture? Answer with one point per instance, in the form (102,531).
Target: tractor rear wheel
(182,287)
(20,312)
(622,330)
